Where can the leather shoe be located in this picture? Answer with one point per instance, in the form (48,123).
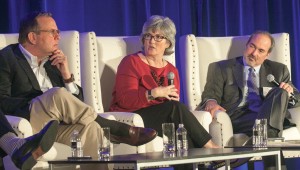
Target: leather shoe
(136,136)
(35,146)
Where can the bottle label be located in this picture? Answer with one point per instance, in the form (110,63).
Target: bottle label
(74,145)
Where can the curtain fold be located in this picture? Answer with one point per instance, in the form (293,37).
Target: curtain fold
(199,17)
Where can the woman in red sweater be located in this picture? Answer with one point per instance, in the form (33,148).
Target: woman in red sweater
(142,84)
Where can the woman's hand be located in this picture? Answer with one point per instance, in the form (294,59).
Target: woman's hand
(169,92)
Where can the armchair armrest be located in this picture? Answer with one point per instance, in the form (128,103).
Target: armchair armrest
(107,116)
(295,115)
(204,118)
(21,126)
(128,118)
(221,128)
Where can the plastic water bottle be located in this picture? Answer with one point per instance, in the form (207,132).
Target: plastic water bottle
(181,139)
(76,146)
(255,136)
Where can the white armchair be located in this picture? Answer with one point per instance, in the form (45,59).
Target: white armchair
(69,43)
(196,54)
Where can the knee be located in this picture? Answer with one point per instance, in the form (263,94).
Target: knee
(279,92)
(57,92)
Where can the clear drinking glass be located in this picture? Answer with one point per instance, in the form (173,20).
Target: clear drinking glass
(168,130)
(104,143)
(260,135)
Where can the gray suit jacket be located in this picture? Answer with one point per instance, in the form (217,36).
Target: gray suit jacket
(18,84)
(225,81)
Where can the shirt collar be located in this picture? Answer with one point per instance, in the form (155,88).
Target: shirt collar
(246,66)
(32,60)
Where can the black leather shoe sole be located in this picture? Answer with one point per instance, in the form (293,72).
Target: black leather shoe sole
(44,140)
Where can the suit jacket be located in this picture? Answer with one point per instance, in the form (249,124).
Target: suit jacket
(225,81)
(18,83)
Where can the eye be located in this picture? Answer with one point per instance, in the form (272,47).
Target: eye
(147,36)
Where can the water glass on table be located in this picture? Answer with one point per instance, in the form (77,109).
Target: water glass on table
(260,133)
(168,130)
(104,144)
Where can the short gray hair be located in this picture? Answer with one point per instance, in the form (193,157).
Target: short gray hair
(163,24)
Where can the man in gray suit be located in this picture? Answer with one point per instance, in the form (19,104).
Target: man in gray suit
(227,89)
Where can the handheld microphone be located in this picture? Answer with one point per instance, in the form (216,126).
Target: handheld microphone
(271,79)
(171,77)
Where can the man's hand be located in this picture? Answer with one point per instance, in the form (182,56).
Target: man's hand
(286,87)
(59,60)
(212,106)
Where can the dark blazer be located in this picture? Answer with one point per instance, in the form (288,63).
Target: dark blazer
(18,84)
(225,81)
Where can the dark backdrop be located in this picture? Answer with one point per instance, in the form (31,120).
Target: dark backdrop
(199,17)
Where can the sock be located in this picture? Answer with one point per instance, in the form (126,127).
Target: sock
(10,142)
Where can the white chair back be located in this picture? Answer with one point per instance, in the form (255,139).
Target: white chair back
(197,53)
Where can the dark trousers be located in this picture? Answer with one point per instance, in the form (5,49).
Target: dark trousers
(274,108)
(5,127)
(175,112)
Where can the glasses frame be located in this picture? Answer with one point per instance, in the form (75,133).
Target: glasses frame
(157,37)
(53,32)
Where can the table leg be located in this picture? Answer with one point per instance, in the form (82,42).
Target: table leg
(278,161)
(195,166)
(227,164)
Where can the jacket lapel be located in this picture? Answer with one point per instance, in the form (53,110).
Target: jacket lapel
(265,70)
(27,69)
(238,71)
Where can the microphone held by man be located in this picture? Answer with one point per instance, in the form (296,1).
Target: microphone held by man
(271,79)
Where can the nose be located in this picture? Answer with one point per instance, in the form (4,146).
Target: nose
(254,52)
(57,36)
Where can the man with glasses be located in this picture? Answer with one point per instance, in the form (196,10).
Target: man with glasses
(36,83)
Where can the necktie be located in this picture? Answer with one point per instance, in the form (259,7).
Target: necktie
(253,98)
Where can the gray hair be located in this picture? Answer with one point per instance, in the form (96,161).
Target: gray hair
(163,24)
(264,33)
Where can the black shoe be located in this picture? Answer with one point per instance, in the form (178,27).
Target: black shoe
(137,136)
(35,146)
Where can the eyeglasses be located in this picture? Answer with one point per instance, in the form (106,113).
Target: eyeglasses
(156,37)
(53,32)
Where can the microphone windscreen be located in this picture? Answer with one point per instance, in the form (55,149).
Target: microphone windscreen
(171,76)
(270,78)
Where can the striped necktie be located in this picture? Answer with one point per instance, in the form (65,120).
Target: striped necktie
(253,98)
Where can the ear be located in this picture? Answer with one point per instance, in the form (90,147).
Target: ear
(168,44)
(32,37)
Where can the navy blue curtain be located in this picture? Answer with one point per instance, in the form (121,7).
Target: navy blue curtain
(199,17)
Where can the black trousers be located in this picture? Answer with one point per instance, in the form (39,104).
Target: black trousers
(175,112)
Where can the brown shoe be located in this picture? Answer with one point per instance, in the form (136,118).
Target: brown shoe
(137,136)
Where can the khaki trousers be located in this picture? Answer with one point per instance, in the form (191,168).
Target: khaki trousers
(59,104)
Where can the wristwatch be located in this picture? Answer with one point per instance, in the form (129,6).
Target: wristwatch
(71,79)
(150,97)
